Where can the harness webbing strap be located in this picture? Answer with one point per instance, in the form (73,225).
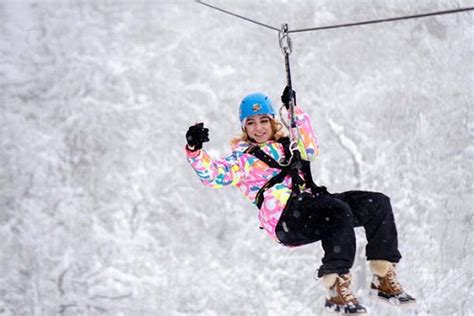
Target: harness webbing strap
(292,165)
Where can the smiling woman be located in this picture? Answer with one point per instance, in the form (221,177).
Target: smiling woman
(259,128)
(268,169)
(258,121)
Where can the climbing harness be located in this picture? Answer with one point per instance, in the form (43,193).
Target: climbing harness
(291,165)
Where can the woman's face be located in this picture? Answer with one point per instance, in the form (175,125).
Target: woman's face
(259,128)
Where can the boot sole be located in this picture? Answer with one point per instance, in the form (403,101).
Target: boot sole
(373,294)
(332,311)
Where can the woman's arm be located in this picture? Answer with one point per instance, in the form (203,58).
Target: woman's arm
(307,134)
(215,173)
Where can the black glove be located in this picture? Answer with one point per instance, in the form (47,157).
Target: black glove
(196,135)
(286,97)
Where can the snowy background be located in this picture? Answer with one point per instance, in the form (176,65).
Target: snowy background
(100,213)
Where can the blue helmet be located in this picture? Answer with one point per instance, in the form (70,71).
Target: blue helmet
(253,104)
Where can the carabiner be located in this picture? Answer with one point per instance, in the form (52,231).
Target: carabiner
(284,40)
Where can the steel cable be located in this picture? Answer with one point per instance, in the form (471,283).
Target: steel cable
(319,28)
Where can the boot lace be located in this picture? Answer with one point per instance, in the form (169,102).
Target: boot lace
(346,292)
(392,280)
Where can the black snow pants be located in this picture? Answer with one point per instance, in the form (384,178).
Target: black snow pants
(331,218)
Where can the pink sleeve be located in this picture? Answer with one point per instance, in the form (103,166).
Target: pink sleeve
(215,173)
(306,131)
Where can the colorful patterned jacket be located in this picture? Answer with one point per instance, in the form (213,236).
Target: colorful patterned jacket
(249,174)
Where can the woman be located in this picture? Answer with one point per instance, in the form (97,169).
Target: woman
(269,171)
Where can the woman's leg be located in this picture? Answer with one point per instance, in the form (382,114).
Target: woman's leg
(334,218)
(321,218)
(373,211)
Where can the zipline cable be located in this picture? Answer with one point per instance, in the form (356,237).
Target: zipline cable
(415,16)
(238,16)
(319,28)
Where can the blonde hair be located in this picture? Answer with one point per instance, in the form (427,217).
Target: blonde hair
(278,131)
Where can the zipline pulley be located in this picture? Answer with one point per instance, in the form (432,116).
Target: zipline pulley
(286,48)
(285,40)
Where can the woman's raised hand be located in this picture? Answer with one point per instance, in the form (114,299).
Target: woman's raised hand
(197,135)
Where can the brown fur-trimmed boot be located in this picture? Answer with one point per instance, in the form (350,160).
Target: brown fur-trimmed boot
(385,285)
(340,298)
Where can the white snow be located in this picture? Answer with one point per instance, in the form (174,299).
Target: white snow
(100,213)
